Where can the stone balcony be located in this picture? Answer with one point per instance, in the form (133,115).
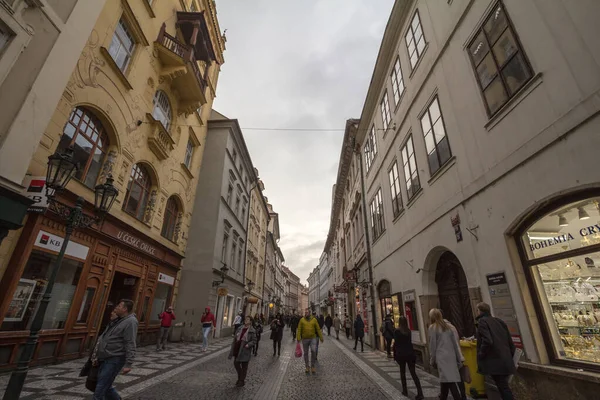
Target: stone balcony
(160,141)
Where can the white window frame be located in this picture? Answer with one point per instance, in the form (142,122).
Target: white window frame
(396,192)
(161,109)
(117,44)
(377,215)
(397,82)
(189,154)
(386,115)
(434,133)
(411,172)
(370,148)
(415,38)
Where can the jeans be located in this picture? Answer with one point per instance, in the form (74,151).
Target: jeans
(388,346)
(347,333)
(277,347)
(362,347)
(503,387)
(450,386)
(328,331)
(107,372)
(242,370)
(312,344)
(413,374)
(205,335)
(162,337)
(256,345)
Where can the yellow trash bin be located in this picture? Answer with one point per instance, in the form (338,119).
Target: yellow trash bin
(477,386)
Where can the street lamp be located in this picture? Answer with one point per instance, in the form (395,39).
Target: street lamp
(223,270)
(61,168)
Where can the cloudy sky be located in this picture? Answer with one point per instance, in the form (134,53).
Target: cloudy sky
(298,64)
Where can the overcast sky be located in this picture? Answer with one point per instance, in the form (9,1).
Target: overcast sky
(298,64)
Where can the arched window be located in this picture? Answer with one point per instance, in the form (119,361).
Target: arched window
(162,109)
(138,191)
(170,221)
(87,136)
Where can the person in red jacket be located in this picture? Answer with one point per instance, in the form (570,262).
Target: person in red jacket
(208,322)
(166,320)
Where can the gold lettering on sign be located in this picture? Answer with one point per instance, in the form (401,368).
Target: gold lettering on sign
(136,242)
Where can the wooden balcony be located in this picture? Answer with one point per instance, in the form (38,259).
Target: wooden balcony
(180,68)
(159,141)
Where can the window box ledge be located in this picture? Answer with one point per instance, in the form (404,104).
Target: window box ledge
(414,198)
(412,72)
(514,101)
(442,170)
(187,171)
(149,8)
(378,237)
(400,214)
(113,65)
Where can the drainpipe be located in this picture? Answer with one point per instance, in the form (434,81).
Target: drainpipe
(367,238)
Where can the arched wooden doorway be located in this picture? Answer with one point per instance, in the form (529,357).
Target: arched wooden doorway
(454,294)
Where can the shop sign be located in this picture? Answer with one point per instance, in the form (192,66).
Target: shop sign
(36,191)
(455,221)
(350,276)
(409,296)
(566,237)
(48,241)
(222,291)
(136,242)
(503,306)
(162,278)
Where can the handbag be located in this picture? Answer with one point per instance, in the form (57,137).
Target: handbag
(465,374)
(298,350)
(92,378)
(85,370)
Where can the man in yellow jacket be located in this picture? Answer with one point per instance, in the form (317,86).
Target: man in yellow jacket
(308,332)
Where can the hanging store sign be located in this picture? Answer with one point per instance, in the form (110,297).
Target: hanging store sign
(36,191)
(48,241)
(222,291)
(350,276)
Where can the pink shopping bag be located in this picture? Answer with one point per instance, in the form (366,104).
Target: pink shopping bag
(298,350)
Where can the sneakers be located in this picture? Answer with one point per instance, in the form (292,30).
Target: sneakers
(314,370)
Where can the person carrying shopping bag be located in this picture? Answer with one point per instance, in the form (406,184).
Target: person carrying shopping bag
(307,333)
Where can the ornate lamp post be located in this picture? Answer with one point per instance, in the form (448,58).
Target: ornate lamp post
(61,168)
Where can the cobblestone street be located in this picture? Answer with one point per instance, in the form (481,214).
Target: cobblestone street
(184,372)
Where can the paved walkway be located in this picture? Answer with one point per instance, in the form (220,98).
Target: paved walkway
(183,372)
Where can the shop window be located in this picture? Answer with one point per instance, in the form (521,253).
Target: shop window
(138,191)
(122,45)
(562,254)
(162,109)
(31,287)
(170,221)
(500,65)
(145,309)
(227,311)
(86,305)
(161,297)
(86,134)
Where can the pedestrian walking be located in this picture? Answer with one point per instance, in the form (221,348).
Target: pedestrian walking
(238,321)
(461,385)
(277,334)
(294,325)
(115,350)
(321,320)
(347,325)
(309,333)
(259,330)
(444,354)
(244,340)
(328,324)
(359,332)
(166,319)
(387,329)
(208,323)
(404,354)
(336,326)
(495,350)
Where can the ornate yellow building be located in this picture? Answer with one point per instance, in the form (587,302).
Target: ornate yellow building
(136,107)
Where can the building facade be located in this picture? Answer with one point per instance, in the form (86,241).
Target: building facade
(125,114)
(40,43)
(314,287)
(304,305)
(214,269)
(477,140)
(257,246)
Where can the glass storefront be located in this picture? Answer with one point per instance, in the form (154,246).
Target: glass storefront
(31,287)
(161,297)
(564,259)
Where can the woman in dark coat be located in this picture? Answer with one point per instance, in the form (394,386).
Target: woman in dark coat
(241,349)
(277,334)
(328,324)
(405,354)
(259,330)
(359,332)
(294,325)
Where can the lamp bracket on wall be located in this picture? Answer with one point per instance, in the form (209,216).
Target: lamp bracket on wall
(470,230)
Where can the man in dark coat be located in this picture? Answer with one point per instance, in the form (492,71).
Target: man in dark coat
(387,330)
(328,323)
(294,325)
(495,350)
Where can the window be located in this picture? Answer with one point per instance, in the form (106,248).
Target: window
(241,252)
(237,204)
(234,156)
(436,141)
(189,154)
(138,191)
(415,40)
(162,109)
(85,133)
(504,70)
(31,288)
(233,254)
(370,148)
(225,243)
(397,82)
(5,37)
(244,205)
(411,174)
(385,112)
(170,221)
(377,222)
(122,45)
(86,305)
(394,176)
(193,7)
(229,194)
(161,299)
